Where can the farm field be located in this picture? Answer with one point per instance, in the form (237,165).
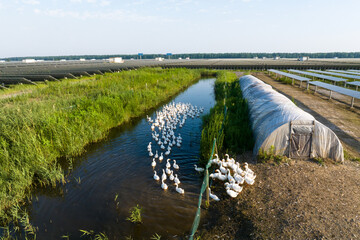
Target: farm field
(254,214)
(31,73)
(301,199)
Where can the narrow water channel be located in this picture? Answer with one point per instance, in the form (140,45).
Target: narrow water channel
(120,165)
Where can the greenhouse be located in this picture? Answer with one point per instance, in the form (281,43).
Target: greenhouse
(282,128)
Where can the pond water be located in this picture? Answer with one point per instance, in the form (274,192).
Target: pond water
(120,166)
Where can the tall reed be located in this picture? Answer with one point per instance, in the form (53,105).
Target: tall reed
(232,132)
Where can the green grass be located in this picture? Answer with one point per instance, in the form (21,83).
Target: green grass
(236,135)
(350,157)
(58,119)
(270,156)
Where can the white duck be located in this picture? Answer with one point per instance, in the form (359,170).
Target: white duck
(172,176)
(163,176)
(238,178)
(161,157)
(179,190)
(176,180)
(229,177)
(232,185)
(151,154)
(221,177)
(156,177)
(249,178)
(168,171)
(168,165)
(231,193)
(239,170)
(156,154)
(164,185)
(198,169)
(153,164)
(213,196)
(223,170)
(247,169)
(175,166)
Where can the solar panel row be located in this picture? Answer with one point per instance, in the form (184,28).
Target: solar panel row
(331,78)
(341,71)
(296,77)
(348,92)
(356,84)
(336,74)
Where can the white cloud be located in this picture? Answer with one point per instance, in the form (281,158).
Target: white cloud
(101,3)
(126,16)
(31,2)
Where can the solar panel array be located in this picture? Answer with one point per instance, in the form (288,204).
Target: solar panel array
(341,90)
(337,74)
(296,77)
(334,79)
(347,72)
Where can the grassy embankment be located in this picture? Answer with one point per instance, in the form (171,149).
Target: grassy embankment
(236,136)
(59,119)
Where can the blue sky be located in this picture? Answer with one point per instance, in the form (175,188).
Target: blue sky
(74,27)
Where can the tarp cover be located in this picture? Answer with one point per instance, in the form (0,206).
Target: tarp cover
(280,126)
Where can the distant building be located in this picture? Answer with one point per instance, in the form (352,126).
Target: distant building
(276,58)
(187,58)
(304,58)
(82,59)
(29,60)
(160,59)
(255,57)
(62,60)
(264,58)
(116,60)
(2,61)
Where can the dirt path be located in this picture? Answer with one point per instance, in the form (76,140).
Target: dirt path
(294,200)
(335,114)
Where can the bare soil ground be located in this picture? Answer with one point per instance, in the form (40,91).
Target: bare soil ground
(296,199)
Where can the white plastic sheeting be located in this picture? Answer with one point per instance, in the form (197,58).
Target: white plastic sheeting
(280,126)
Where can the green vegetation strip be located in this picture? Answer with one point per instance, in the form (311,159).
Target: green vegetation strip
(237,135)
(59,119)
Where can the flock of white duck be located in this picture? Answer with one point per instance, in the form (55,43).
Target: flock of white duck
(163,128)
(234,176)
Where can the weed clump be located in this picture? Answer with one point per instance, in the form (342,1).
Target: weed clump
(135,214)
(270,156)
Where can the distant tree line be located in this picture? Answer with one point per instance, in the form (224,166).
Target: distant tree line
(197,56)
